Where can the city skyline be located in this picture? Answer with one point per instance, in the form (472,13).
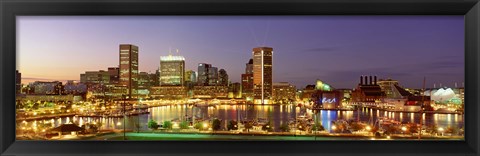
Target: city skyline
(436,40)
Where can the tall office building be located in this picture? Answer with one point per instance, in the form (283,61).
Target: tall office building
(213,76)
(222,77)
(129,68)
(247,81)
(249,67)
(262,74)
(203,74)
(172,70)
(190,76)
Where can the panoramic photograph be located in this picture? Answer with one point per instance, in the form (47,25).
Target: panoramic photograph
(266,78)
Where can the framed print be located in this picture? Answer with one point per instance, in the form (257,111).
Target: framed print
(251,77)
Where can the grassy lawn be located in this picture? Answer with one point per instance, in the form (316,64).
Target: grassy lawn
(209,137)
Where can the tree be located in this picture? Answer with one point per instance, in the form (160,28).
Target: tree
(216,124)
(356,126)
(152,124)
(318,127)
(167,125)
(452,129)
(392,129)
(267,127)
(198,125)
(248,125)
(433,129)
(232,125)
(184,125)
(413,128)
(284,127)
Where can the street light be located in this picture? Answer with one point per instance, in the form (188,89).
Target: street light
(441,130)
(404,129)
(334,128)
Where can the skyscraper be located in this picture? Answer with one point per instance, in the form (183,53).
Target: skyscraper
(190,76)
(249,67)
(172,70)
(247,81)
(213,76)
(129,68)
(262,74)
(222,77)
(203,74)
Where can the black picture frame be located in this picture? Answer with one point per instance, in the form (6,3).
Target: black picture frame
(9,9)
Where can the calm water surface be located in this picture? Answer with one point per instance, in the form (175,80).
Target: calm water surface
(278,114)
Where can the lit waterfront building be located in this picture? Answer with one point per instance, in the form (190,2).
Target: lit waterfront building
(172,79)
(210,92)
(208,75)
(168,92)
(114,73)
(74,87)
(247,81)
(306,94)
(327,99)
(46,88)
(387,86)
(262,75)
(368,90)
(129,68)
(203,74)
(320,85)
(235,90)
(190,76)
(172,70)
(283,92)
(145,81)
(53,98)
(95,77)
(212,76)
(190,81)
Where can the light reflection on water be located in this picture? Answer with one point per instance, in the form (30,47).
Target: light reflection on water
(277,114)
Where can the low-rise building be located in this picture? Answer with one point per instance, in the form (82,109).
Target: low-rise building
(168,92)
(283,92)
(210,92)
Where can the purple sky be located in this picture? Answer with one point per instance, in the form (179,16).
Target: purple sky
(335,49)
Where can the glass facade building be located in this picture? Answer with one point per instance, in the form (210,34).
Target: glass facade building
(172,70)
(129,68)
(262,74)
